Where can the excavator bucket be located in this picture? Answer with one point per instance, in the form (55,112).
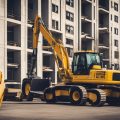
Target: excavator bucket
(2,88)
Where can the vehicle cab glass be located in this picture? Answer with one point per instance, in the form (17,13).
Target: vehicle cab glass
(84,61)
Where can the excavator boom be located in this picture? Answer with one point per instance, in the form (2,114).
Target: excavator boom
(65,73)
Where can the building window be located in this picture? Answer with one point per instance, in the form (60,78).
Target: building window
(116,18)
(116,43)
(54,8)
(69,16)
(69,29)
(116,31)
(111,4)
(111,17)
(10,34)
(94,13)
(111,28)
(69,41)
(116,67)
(116,54)
(30,6)
(115,6)
(70,3)
(55,24)
(70,52)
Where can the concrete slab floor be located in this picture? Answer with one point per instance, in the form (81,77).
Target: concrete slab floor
(38,110)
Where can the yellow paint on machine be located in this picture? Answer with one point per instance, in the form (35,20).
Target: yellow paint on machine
(2,88)
(97,77)
(61,92)
(49,96)
(27,89)
(92,96)
(107,92)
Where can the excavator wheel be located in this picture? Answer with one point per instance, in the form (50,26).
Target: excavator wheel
(49,95)
(96,97)
(26,86)
(78,95)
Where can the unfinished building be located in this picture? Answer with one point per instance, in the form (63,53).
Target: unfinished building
(80,24)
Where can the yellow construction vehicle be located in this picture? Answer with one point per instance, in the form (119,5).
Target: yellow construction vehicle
(2,88)
(86,82)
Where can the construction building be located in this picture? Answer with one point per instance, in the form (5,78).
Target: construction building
(80,24)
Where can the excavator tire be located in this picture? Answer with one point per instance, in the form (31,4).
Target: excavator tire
(96,97)
(49,95)
(78,95)
(26,86)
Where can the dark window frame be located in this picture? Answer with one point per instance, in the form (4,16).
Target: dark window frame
(115,6)
(69,16)
(69,41)
(116,43)
(116,18)
(70,29)
(70,3)
(116,54)
(54,8)
(116,31)
(70,51)
(55,24)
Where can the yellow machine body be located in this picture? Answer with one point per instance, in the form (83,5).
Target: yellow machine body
(94,74)
(101,77)
(81,83)
(2,88)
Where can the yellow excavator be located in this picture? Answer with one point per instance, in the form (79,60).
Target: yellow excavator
(86,82)
(2,88)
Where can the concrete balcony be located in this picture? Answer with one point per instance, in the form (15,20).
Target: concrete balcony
(86,36)
(103,10)
(103,46)
(103,29)
(47,69)
(90,1)
(85,19)
(13,65)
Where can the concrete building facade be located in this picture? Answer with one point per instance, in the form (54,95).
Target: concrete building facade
(16,39)
(80,24)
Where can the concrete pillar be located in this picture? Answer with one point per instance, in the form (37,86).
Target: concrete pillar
(3,56)
(23,39)
(39,55)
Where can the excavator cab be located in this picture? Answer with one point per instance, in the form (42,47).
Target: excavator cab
(83,62)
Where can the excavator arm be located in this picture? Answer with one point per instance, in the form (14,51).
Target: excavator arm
(58,49)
